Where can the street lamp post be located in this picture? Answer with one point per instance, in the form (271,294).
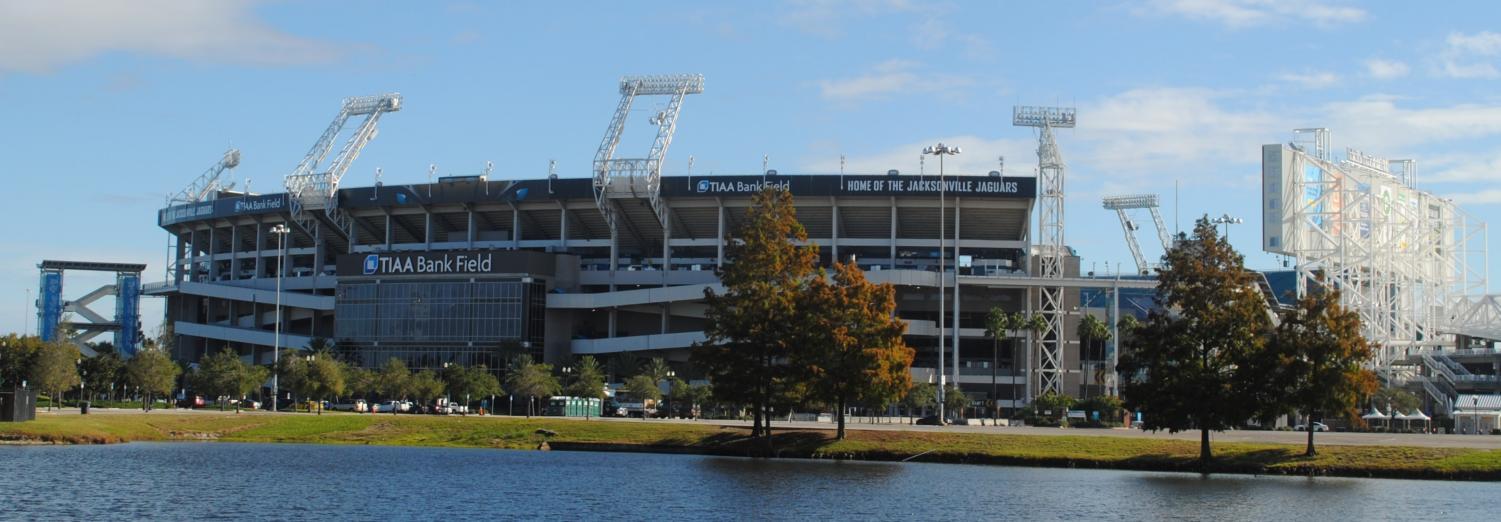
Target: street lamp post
(1226,220)
(1475,413)
(281,231)
(942,150)
(671,374)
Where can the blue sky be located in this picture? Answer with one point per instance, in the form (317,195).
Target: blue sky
(109,106)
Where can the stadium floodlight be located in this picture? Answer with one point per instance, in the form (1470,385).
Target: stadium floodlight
(1226,220)
(942,150)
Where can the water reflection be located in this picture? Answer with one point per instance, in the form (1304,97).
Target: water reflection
(188,481)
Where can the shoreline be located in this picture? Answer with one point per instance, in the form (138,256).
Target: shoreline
(1055,451)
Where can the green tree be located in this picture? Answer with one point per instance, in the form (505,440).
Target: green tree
(1191,367)
(920,396)
(684,398)
(393,381)
(954,400)
(55,369)
(474,381)
(359,382)
(752,327)
(291,370)
(153,372)
(325,378)
(101,371)
(224,376)
(588,379)
(531,380)
(853,348)
(1392,398)
(1050,409)
(1320,351)
(426,386)
(644,387)
(1001,324)
(657,369)
(1093,331)
(17,355)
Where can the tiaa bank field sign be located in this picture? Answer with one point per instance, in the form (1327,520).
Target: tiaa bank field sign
(435,263)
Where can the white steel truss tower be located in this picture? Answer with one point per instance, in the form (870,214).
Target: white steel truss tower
(636,177)
(1051,250)
(310,189)
(1120,204)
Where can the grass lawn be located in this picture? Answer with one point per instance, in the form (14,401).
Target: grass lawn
(710,438)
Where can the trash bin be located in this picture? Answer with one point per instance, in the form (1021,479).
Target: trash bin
(83,408)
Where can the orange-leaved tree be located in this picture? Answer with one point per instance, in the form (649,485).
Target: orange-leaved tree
(1321,356)
(752,326)
(853,348)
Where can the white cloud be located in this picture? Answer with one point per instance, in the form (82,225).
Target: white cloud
(1460,168)
(824,17)
(1484,197)
(1385,69)
(1311,80)
(888,78)
(1377,123)
(1246,13)
(980,155)
(1470,55)
(40,36)
(1144,131)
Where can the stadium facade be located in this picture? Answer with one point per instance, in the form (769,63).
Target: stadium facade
(469,270)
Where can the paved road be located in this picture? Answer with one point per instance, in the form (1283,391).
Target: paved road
(1283,437)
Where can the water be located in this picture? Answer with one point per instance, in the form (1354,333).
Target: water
(182,481)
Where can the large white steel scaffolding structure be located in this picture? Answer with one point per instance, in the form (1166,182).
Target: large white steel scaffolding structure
(1402,258)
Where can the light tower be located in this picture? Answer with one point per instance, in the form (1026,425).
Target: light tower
(1120,204)
(1050,248)
(616,178)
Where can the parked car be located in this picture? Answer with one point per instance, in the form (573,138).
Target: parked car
(1317,427)
(358,406)
(931,420)
(390,406)
(195,401)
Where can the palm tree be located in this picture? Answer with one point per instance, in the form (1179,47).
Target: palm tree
(999,323)
(1091,329)
(1033,324)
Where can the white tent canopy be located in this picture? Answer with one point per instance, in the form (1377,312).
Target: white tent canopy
(1375,414)
(1416,415)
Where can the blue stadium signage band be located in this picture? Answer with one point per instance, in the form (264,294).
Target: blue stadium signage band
(862,185)
(446,263)
(461,263)
(222,208)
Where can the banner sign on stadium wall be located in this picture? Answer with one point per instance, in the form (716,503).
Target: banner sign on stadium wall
(128,313)
(446,263)
(223,207)
(853,185)
(51,306)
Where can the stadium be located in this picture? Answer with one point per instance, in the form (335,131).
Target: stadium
(475,269)
(460,269)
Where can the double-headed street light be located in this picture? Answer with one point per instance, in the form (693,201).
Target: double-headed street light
(942,150)
(1226,220)
(281,231)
